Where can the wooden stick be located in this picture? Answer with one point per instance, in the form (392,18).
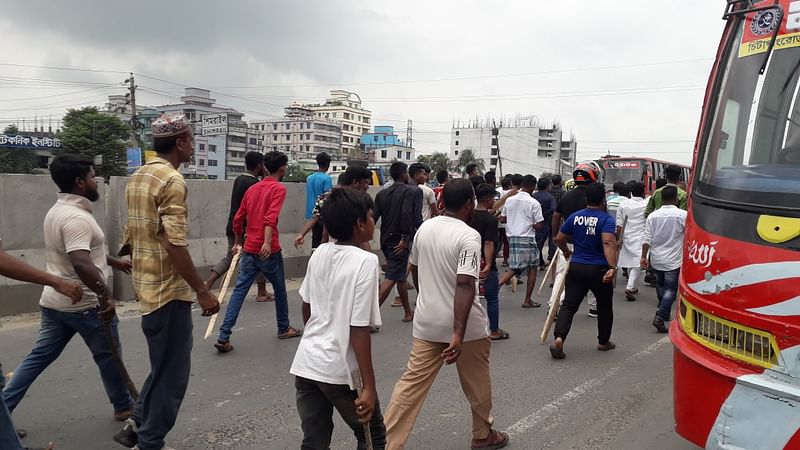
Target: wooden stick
(619,247)
(550,269)
(555,299)
(359,388)
(108,330)
(223,291)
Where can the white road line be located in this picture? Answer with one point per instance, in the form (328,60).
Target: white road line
(551,408)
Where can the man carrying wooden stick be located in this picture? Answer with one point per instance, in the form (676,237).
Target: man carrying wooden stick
(592,268)
(340,304)
(165,280)
(75,248)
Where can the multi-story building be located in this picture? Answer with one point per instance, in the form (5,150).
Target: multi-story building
(300,134)
(520,145)
(219,154)
(383,146)
(345,108)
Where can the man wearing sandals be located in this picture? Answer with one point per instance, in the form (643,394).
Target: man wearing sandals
(450,325)
(523,220)
(592,268)
(260,209)
(485,223)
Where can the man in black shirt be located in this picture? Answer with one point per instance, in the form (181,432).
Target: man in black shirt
(394,208)
(254,162)
(486,224)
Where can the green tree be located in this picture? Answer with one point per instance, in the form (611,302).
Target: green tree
(466,158)
(89,132)
(437,162)
(16,160)
(295,174)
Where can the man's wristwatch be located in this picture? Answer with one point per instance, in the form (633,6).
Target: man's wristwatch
(612,267)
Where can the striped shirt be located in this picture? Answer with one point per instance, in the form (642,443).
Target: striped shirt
(156,197)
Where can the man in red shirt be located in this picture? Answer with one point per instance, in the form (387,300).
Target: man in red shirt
(261,252)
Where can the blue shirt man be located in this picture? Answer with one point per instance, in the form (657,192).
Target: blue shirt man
(318,182)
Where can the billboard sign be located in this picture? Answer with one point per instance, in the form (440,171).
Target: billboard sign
(215,124)
(134,158)
(20,141)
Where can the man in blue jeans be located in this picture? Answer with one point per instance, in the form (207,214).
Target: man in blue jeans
(486,224)
(663,241)
(18,270)
(75,249)
(317,184)
(260,208)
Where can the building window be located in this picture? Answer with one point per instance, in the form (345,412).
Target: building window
(308,125)
(493,162)
(456,152)
(374,138)
(202,147)
(334,115)
(456,142)
(288,125)
(275,148)
(275,127)
(456,132)
(399,154)
(287,137)
(212,148)
(212,163)
(308,135)
(346,116)
(383,153)
(308,148)
(202,162)
(274,137)
(253,141)
(301,136)
(408,156)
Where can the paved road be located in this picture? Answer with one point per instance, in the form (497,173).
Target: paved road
(245,400)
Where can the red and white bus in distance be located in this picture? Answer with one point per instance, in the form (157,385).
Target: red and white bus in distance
(646,170)
(737,332)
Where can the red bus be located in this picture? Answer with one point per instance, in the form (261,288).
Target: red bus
(736,336)
(646,170)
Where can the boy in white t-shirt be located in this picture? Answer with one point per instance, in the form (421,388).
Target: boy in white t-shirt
(340,304)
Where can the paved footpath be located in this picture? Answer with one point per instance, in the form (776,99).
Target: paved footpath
(245,400)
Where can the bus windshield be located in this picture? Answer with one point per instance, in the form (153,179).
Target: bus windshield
(622,170)
(752,153)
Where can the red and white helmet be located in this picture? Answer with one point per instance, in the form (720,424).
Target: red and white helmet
(586,172)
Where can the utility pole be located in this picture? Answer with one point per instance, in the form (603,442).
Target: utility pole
(135,125)
(496,149)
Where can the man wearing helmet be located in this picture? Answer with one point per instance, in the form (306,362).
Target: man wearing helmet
(573,201)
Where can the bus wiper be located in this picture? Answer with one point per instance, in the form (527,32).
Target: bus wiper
(730,11)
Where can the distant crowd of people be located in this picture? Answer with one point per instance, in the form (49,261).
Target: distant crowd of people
(448,238)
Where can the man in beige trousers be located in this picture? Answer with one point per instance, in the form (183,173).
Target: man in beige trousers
(450,325)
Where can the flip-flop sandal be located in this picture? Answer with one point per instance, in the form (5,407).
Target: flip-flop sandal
(497,444)
(532,305)
(265,298)
(223,347)
(408,320)
(502,334)
(556,353)
(290,333)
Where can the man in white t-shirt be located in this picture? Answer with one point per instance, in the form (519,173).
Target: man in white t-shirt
(663,240)
(340,304)
(523,215)
(450,325)
(76,250)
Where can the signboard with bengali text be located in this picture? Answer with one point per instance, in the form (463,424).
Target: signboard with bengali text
(22,141)
(215,124)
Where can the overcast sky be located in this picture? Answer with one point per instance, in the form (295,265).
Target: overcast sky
(625,76)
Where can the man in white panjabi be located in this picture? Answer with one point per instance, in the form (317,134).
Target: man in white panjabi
(632,209)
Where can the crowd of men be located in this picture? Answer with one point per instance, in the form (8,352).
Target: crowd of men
(448,239)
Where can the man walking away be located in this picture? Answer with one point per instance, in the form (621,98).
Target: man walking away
(574,201)
(442,177)
(75,247)
(18,270)
(663,242)
(557,191)
(260,210)
(631,215)
(471,170)
(548,203)
(673,178)
(614,199)
(450,323)
(254,162)
(340,304)
(416,175)
(524,220)
(592,268)
(428,202)
(317,184)
(505,186)
(485,223)
(165,280)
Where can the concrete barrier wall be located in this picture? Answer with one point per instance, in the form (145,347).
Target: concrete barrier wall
(25,199)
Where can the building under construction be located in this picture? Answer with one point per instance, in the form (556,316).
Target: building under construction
(522,144)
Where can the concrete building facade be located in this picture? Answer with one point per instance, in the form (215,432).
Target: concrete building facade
(300,134)
(345,107)
(520,145)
